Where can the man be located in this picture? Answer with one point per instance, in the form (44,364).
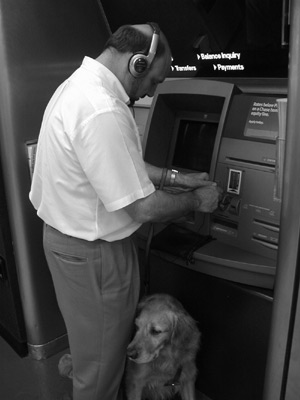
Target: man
(93,191)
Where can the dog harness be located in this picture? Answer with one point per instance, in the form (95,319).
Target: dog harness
(175,381)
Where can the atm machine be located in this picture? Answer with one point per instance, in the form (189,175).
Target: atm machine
(227,281)
(209,126)
(235,135)
(219,112)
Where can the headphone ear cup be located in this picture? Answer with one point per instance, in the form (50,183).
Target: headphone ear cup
(138,64)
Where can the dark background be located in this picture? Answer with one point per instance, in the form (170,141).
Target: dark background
(253,28)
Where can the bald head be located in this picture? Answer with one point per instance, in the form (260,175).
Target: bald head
(139,56)
(145,29)
(137,39)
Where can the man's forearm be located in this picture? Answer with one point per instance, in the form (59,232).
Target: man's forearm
(162,207)
(156,174)
(183,180)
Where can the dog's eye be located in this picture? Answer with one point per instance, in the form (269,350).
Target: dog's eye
(155,332)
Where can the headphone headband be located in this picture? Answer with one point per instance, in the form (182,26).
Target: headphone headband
(155,27)
(139,63)
(154,41)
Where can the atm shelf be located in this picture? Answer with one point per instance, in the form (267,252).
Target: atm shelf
(224,261)
(234,257)
(232,263)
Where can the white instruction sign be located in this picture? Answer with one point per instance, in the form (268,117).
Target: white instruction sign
(262,120)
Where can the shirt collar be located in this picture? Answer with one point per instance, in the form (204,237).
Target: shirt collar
(108,79)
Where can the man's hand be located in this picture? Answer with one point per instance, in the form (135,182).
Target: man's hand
(192,180)
(209,197)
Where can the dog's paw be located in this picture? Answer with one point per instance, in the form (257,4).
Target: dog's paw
(65,366)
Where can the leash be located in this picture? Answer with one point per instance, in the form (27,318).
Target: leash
(150,237)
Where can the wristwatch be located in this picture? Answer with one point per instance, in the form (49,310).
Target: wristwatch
(174,173)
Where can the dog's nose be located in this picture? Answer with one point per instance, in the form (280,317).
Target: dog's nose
(132,353)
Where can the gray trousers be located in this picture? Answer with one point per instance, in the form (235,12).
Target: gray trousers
(97,289)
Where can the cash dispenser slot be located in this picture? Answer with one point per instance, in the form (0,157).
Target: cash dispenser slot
(270,166)
(267,225)
(265,242)
(224,226)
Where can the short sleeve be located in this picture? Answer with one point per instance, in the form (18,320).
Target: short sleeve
(109,151)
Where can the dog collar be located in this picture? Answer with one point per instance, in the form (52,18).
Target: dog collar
(175,381)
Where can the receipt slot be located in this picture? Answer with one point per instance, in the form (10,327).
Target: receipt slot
(234,181)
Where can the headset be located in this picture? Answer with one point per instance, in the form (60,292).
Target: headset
(139,63)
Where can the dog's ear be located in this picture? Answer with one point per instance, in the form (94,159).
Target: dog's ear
(145,301)
(185,330)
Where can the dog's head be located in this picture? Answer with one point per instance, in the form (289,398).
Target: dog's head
(161,323)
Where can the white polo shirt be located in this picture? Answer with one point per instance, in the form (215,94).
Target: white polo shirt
(89,162)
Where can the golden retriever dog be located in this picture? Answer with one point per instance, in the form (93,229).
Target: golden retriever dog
(161,356)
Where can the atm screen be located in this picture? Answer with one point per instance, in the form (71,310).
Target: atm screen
(194,145)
